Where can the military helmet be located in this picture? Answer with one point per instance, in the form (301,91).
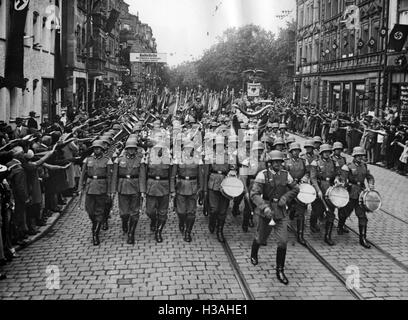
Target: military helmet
(295,146)
(138,127)
(258,145)
(98,144)
(117,127)
(275,156)
(283,126)
(338,145)
(309,143)
(318,139)
(290,139)
(325,147)
(214,124)
(358,151)
(278,141)
(275,125)
(131,144)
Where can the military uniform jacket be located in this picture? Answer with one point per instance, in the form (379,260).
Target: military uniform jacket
(189,176)
(249,170)
(297,169)
(269,187)
(355,176)
(160,180)
(325,174)
(215,173)
(18,181)
(97,174)
(128,175)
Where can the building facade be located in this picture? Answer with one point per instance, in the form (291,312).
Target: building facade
(341,68)
(39,44)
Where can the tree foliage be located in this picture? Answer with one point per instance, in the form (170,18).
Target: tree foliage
(246,48)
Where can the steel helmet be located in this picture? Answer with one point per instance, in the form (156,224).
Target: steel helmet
(275,125)
(117,127)
(325,147)
(276,156)
(98,144)
(214,124)
(358,151)
(269,125)
(138,127)
(290,139)
(278,141)
(338,145)
(258,145)
(131,144)
(309,143)
(295,146)
(283,126)
(318,139)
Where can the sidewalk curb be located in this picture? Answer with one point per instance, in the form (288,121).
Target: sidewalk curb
(44,230)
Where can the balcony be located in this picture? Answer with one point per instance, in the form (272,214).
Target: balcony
(352,63)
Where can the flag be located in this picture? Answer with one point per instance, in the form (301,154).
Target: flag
(60,80)
(14,67)
(398,37)
(110,23)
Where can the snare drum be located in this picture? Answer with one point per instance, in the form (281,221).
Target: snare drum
(307,193)
(338,196)
(232,187)
(370,200)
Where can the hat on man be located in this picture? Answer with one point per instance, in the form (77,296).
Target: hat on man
(325,147)
(337,145)
(98,144)
(318,139)
(358,151)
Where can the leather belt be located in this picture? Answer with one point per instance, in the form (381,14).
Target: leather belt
(128,177)
(187,178)
(218,172)
(158,178)
(97,178)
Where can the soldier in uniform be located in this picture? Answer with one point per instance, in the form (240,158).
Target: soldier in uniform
(247,173)
(96,179)
(309,155)
(298,169)
(128,174)
(356,173)
(159,186)
(317,143)
(337,150)
(272,190)
(326,174)
(188,171)
(216,170)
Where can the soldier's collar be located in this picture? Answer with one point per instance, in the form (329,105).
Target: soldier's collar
(128,156)
(98,157)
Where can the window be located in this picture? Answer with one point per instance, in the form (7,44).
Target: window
(300,18)
(78,34)
(344,43)
(335,97)
(365,38)
(403,11)
(352,43)
(328,9)
(335,7)
(36,29)
(3,19)
(375,32)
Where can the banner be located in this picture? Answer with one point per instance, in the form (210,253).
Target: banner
(254,89)
(14,68)
(148,57)
(113,18)
(60,80)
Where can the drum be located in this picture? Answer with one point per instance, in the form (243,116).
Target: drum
(338,196)
(307,193)
(3,172)
(370,200)
(232,187)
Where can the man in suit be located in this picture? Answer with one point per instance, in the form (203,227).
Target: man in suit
(20,131)
(32,123)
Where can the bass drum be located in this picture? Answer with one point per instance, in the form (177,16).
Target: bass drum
(338,196)
(232,187)
(370,200)
(307,193)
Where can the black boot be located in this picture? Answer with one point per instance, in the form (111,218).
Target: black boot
(341,229)
(159,229)
(235,210)
(132,228)
(300,232)
(313,225)
(105,225)
(153,225)
(182,224)
(189,228)
(363,236)
(254,252)
(212,223)
(96,228)
(327,236)
(251,221)
(125,224)
(280,266)
(220,231)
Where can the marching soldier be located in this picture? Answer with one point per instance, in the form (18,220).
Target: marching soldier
(248,171)
(128,174)
(337,150)
(188,171)
(317,144)
(159,186)
(96,179)
(356,174)
(298,169)
(310,156)
(272,190)
(216,170)
(326,173)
